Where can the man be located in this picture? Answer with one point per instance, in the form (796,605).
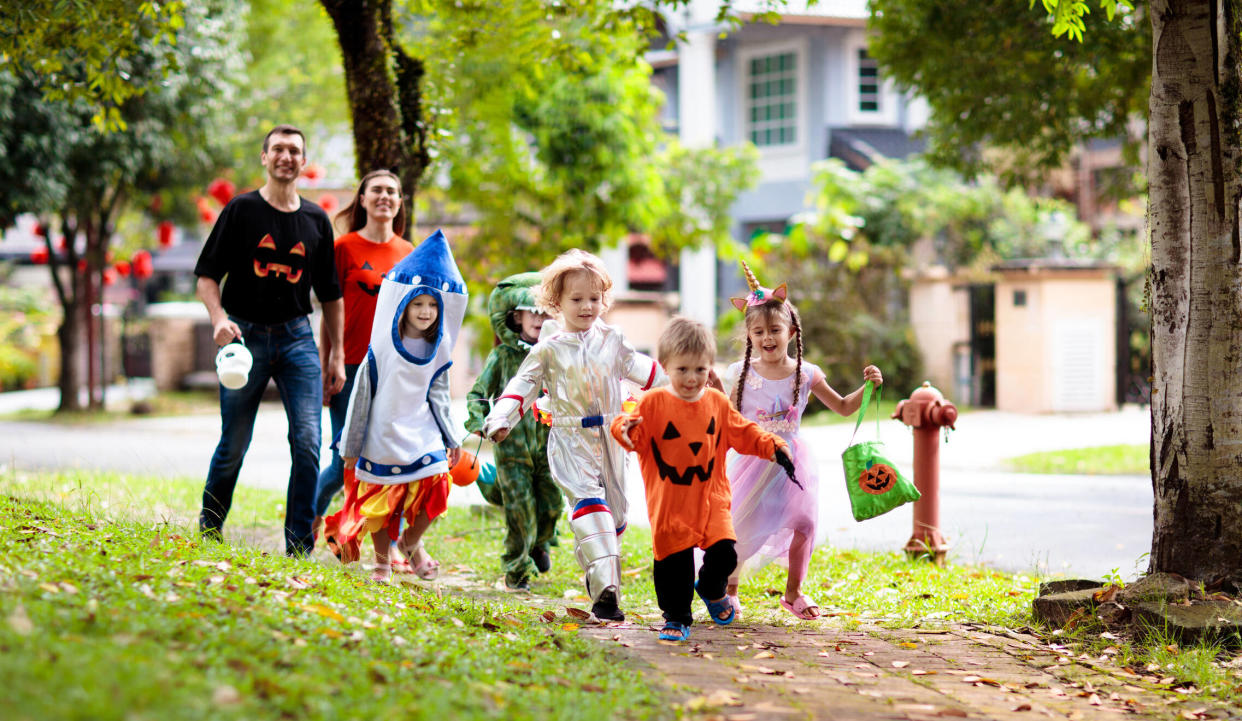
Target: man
(270,247)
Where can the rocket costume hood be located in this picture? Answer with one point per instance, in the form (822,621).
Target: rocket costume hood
(405,438)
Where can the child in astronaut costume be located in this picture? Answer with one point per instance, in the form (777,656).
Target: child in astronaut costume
(398,426)
(580,361)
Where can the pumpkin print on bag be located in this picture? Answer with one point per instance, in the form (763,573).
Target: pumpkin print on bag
(877,479)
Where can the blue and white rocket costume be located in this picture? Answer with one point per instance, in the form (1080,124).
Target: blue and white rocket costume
(398,424)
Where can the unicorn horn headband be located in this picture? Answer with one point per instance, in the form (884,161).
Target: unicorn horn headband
(758,294)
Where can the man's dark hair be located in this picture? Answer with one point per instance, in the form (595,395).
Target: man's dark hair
(284,130)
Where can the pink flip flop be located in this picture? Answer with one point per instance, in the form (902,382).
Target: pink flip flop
(801,607)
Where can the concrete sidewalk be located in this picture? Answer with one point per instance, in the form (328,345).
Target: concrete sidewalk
(1085,525)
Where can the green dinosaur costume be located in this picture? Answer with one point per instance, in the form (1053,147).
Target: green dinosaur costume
(532,502)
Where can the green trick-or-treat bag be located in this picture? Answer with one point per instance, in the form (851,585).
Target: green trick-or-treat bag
(873,482)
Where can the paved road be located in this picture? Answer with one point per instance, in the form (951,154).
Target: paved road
(1076,525)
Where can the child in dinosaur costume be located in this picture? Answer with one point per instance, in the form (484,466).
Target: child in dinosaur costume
(532,502)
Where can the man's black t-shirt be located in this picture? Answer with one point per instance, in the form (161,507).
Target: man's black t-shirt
(270,259)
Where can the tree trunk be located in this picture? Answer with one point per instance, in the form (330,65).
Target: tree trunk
(1196,290)
(384,85)
(70,332)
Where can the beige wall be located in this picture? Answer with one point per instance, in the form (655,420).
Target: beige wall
(940,314)
(1058,352)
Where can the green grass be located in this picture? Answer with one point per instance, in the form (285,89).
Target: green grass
(165,403)
(104,618)
(1120,459)
(819,415)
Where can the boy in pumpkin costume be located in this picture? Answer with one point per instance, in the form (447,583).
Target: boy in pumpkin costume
(681,433)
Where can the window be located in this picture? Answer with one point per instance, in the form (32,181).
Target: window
(1019,298)
(772,99)
(868,83)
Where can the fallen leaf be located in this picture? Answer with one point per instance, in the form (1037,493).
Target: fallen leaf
(20,621)
(1022,707)
(329,632)
(50,587)
(457,622)
(1094,699)
(900,664)
(295,582)
(322,610)
(907,644)
(570,627)
(225,696)
(921,672)
(954,712)
(772,592)
(577,613)
(1105,595)
(548,616)
(764,654)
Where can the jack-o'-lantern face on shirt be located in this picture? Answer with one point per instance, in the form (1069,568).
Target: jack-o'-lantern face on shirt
(270,262)
(685,450)
(367,278)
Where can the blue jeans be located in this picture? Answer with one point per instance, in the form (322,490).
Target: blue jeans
(332,478)
(287,354)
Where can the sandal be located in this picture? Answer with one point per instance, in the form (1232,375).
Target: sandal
(722,611)
(801,607)
(674,631)
(428,570)
(401,565)
(735,602)
(382,573)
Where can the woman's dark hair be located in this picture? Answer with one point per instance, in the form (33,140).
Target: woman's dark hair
(354,216)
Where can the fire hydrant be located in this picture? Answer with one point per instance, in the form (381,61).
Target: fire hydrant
(926,411)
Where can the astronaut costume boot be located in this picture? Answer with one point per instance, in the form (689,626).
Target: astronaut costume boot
(595,545)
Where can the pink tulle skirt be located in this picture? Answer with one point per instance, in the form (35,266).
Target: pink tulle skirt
(768,508)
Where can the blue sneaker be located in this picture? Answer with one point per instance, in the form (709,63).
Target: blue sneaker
(674,631)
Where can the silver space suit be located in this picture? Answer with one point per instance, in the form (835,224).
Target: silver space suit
(582,373)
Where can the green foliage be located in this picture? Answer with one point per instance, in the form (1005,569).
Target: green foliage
(24,321)
(54,159)
(997,80)
(547,130)
(92,53)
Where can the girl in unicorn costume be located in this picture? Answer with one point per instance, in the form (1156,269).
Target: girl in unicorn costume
(581,361)
(399,440)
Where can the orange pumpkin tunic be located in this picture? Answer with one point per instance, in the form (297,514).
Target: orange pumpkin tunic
(681,448)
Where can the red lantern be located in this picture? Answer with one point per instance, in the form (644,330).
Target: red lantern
(109,276)
(313,172)
(141,263)
(39,256)
(61,244)
(206,213)
(328,202)
(39,230)
(166,234)
(122,268)
(222,190)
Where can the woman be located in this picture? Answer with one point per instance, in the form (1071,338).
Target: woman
(372,244)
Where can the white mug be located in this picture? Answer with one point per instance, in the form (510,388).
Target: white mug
(233,365)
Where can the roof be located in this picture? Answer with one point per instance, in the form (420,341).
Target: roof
(862,147)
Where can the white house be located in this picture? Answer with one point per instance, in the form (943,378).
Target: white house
(800,90)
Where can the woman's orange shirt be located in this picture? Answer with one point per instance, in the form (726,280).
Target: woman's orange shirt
(360,266)
(681,447)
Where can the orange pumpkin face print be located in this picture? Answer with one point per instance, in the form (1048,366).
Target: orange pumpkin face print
(877,479)
(672,451)
(265,261)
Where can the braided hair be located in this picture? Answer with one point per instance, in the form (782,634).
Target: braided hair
(787,313)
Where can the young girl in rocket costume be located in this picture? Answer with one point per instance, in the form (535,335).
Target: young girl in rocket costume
(581,360)
(398,425)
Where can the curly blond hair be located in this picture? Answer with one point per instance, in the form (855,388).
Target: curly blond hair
(548,293)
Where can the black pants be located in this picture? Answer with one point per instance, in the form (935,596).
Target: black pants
(674,578)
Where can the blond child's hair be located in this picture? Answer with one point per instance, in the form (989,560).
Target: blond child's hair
(548,293)
(684,336)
